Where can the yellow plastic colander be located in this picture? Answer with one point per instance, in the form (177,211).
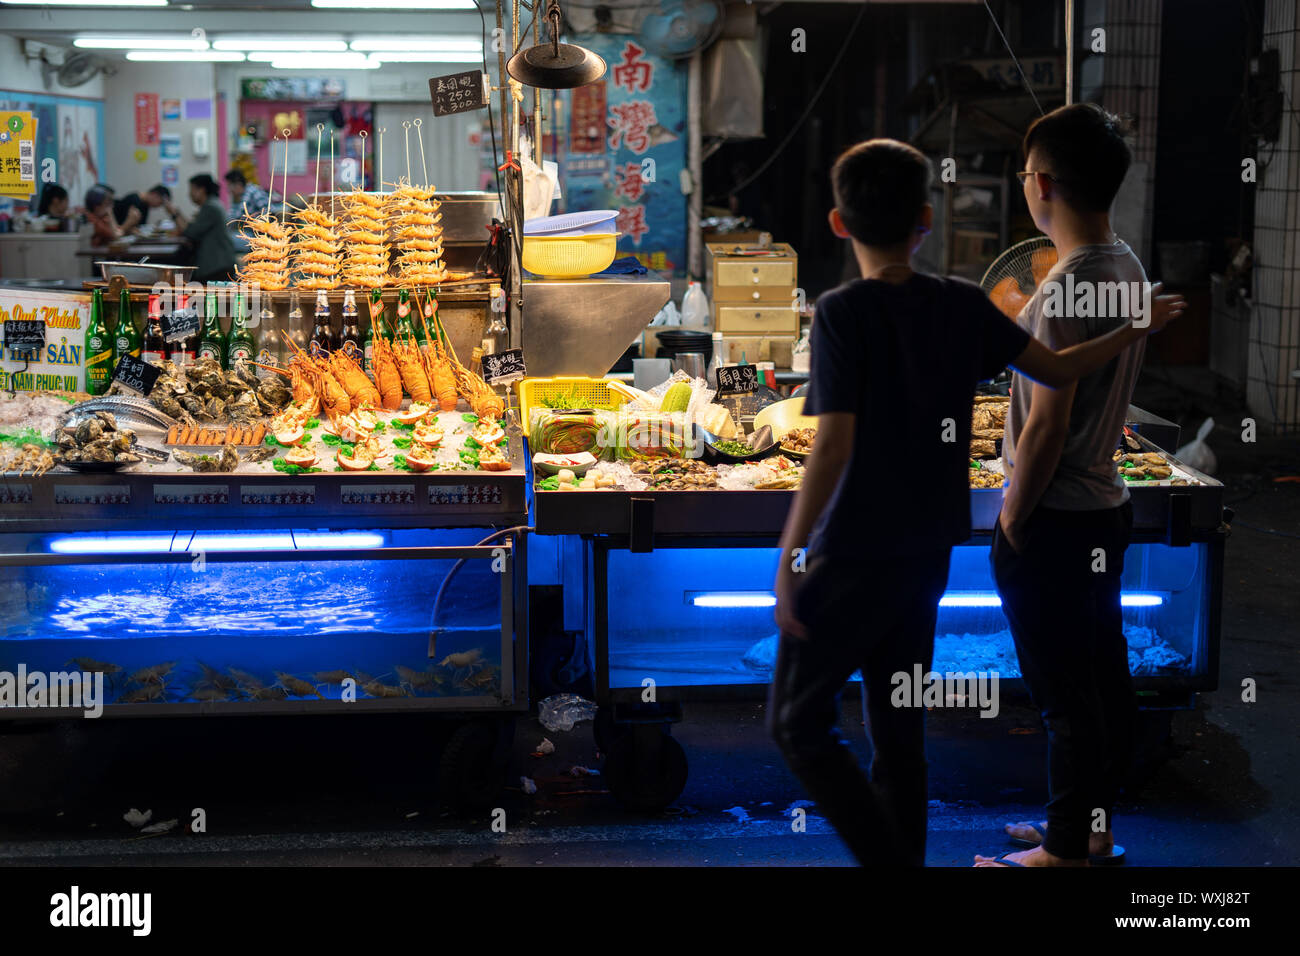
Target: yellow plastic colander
(569,257)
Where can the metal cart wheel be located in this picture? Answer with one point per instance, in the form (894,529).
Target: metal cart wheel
(646,768)
(472,771)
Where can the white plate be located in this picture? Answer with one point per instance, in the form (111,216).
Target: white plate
(577,463)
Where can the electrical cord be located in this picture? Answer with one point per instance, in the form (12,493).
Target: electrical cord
(437,600)
(1014,59)
(492,126)
(862,9)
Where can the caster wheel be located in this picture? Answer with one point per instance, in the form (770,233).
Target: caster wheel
(645,772)
(470,775)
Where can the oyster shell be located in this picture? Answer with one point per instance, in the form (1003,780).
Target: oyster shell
(274,393)
(215,407)
(123,441)
(244,408)
(89,431)
(192,404)
(127,458)
(109,420)
(246,373)
(169,406)
(97,451)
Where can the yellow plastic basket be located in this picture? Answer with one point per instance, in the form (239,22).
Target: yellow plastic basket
(585,392)
(569,257)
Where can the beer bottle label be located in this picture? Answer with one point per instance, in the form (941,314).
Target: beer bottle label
(209,351)
(240,352)
(351,350)
(264,357)
(317,350)
(370,359)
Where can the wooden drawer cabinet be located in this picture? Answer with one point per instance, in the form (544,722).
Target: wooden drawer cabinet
(765,320)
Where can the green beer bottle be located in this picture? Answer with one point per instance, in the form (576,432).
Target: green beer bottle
(242,344)
(99,347)
(212,341)
(126,337)
(405,328)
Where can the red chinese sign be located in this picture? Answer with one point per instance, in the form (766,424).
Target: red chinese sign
(631,122)
(630,184)
(146,119)
(633,74)
(631,222)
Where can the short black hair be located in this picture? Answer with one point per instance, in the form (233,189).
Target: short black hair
(49,194)
(162,190)
(235,177)
(206,183)
(1083,147)
(880,187)
(95,197)
(107,188)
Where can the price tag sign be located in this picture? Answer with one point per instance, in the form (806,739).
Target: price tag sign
(507,366)
(180,324)
(737,379)
(458,93)
(25,338)
(136,373)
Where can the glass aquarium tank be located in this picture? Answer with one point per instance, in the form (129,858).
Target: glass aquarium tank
(703,616)
(234,634)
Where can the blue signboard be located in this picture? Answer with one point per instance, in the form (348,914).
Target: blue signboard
(625,149)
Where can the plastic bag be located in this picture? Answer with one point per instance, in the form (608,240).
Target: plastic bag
(1197,453)
(562,711)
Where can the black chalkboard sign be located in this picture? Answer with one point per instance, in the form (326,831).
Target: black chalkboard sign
(504,366)
(136,373)
(458,93)
(25,337)
(737,379)
(180,324)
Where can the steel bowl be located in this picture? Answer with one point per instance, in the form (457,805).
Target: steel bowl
(146,273)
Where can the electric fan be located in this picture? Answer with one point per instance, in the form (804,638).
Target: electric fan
(1015,274)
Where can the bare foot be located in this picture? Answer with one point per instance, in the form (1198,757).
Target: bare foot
(1035,857)
(1099,844)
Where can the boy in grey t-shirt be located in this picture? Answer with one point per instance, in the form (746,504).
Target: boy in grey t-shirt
(1058,550)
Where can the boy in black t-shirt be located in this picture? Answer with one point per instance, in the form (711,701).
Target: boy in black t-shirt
(896,357)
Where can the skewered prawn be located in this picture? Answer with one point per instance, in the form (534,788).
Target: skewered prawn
(316,249)
(266,264)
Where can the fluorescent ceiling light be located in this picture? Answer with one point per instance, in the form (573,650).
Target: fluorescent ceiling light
(184,56)
(139,43)
(84,3)
(283,45)
(427,56)
(393,4)
(733,599)
(319,61)
(413,44)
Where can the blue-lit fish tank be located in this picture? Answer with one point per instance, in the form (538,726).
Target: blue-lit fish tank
(698,618)
(186,627)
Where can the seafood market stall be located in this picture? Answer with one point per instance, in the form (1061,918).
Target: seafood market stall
(667,561)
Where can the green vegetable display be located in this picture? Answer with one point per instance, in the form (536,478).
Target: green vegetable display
(735,448)
(402,442)
(332,440)
(290,469)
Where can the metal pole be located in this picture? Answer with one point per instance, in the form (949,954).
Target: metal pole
(694,99)
(1069,52)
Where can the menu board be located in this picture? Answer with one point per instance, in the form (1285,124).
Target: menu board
(24,338)
(737,379)
(59,364)
(504,366)
(136,373)
(457,93)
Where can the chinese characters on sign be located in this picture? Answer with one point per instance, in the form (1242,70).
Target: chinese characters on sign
(146,119)
(627,150)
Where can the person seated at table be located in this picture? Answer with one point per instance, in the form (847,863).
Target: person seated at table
(99,213)
(51,212)
(158,196)
(246,199)
(206,234)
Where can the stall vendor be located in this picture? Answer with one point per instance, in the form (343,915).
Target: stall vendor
(206,233)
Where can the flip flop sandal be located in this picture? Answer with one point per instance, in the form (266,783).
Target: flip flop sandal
(1003,861)
(1114,858)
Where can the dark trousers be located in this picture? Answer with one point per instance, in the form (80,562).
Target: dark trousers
(1066,622)
(877,616)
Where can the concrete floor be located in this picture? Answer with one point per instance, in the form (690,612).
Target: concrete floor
(360,791)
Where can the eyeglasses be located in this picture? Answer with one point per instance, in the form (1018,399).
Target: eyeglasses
(1026,173)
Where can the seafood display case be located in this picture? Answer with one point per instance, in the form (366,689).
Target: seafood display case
(673,589)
